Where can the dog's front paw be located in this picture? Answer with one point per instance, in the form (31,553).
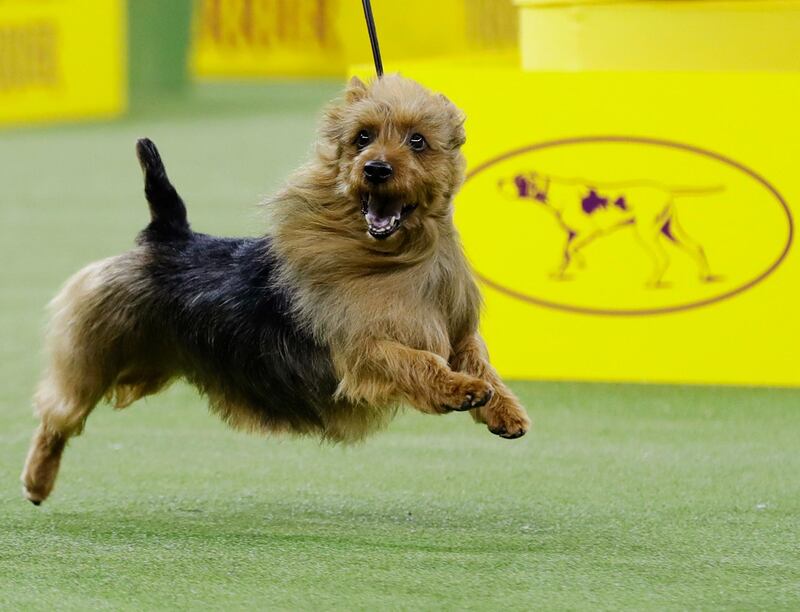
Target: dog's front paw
(504,417)
(465,393)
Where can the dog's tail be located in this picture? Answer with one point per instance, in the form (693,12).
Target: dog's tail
(167,210)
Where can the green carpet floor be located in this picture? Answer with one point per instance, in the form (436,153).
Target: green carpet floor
(622,497)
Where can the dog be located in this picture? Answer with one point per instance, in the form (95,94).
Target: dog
(359,299)
(586,210)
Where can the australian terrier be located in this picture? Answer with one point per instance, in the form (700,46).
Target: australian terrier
(358,300)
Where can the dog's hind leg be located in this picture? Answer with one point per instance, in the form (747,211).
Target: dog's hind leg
(560,273)
(674,231)
(80,371)
(63,406)
(650,239)
(64,399)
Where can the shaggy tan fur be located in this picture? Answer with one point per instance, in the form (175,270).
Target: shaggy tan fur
(399,316)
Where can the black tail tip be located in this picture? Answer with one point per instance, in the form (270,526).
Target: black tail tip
(149,158)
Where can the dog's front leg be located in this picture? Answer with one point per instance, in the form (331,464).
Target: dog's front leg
(385,371)
(503,413)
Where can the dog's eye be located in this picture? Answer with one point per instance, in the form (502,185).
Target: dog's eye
(417,142)
(363,139)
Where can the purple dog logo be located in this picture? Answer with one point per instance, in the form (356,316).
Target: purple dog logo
(620,216)
(589,210)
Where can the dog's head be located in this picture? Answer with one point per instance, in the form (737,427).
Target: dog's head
(396,151)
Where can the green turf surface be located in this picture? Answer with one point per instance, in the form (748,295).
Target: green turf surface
(623,497)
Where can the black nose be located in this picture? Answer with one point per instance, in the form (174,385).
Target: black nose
(378,171)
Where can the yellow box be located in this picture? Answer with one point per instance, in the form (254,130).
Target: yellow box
(640,179)
(247,38)
(741,35)
(234,38)
(61,59)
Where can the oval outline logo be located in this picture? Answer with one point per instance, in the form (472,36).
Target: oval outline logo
(654,142)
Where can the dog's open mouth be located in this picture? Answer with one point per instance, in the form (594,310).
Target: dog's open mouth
(384,216)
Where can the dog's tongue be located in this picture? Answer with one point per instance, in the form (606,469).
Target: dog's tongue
(382,216)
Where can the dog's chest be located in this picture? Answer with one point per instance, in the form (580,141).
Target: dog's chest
(432,328)
(447,309)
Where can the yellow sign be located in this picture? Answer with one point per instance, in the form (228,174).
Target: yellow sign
(742,35)
(247,38)
(632,226)
(324,37)
(624,225)
(61,59)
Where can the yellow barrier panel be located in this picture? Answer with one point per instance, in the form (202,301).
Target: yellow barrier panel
(758,35)
(324,37)
(61,59)
(632,226)
(257,37)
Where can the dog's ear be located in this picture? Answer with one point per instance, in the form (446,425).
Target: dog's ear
(336,111)
(331,125)
(356,90)
(457,119)
(459,133)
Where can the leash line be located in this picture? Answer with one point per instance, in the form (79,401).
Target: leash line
(373,37)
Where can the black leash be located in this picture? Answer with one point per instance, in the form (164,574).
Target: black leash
(373,37)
